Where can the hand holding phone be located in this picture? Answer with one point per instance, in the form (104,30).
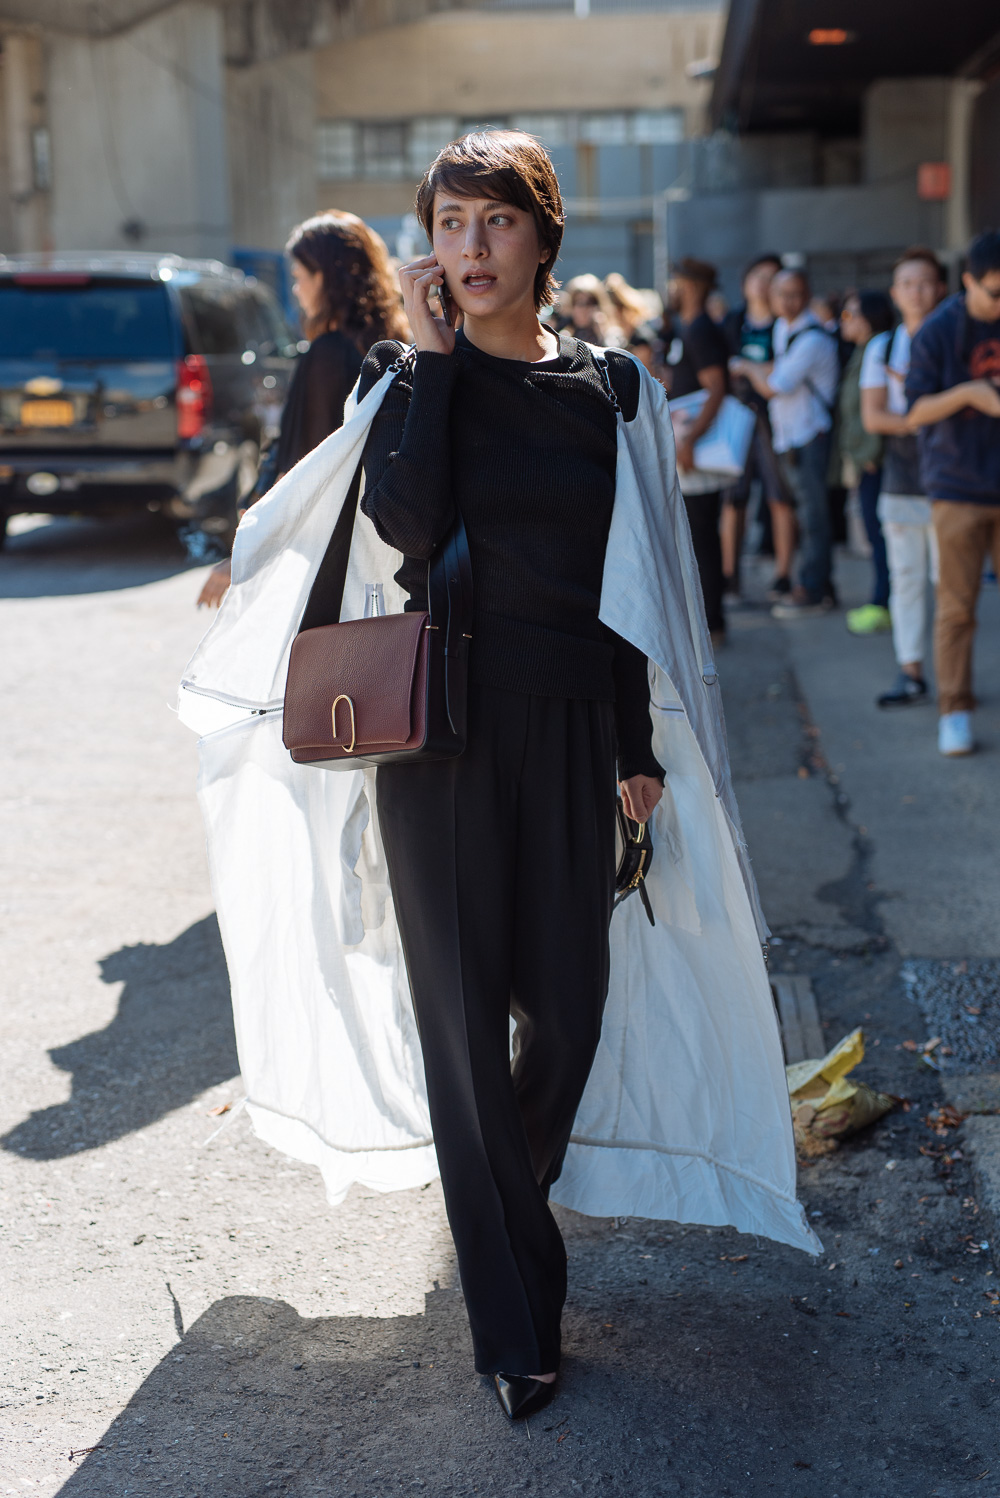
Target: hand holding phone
(431,334)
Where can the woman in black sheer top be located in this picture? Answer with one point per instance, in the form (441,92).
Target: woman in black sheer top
(342,281)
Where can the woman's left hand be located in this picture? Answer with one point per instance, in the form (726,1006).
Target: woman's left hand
(641,794)
(216,585)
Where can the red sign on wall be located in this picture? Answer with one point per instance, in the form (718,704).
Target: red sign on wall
(934,181)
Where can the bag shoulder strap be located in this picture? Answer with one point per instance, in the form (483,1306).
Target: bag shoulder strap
(449,575)
(603,369)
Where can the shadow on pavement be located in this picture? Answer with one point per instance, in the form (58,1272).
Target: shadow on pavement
(62,555)
(255,1398)
(171,1039)
(693,1393)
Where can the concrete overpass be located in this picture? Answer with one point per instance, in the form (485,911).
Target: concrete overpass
(254,30)
(164,122)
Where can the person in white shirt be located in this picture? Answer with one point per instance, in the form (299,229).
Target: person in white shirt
(801,388)
(918,284)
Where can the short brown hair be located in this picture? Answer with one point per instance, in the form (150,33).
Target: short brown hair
(359,292)
(509,166)
(921,252)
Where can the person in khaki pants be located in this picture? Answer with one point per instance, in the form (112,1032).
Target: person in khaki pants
(952,389)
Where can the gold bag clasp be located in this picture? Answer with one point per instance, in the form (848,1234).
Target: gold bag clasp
(348,748)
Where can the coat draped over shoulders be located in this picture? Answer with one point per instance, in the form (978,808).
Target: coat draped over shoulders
(686,1113)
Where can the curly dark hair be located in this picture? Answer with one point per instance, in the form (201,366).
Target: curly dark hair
(509,166)
(359,293)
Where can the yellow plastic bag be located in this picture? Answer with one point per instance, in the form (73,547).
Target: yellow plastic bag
(826,1105)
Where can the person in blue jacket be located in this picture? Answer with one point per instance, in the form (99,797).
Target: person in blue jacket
(953,388)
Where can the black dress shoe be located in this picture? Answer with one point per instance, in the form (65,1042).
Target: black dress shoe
(905,690)
(520,1396)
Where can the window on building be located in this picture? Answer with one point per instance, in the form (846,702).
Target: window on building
(337,150)
(658,127)
(383,150)
(395,150)
(427,137)
(551,129)
(604,129)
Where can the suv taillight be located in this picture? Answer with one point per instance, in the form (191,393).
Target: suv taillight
(194,396)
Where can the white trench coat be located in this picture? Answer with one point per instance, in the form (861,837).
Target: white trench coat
(686,1113)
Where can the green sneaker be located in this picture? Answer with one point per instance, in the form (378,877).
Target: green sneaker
(871,619)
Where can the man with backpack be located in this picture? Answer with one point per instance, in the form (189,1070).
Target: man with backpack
(748,330)
(800,386)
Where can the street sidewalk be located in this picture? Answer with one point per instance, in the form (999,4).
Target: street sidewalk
(185,1316)
(903,844)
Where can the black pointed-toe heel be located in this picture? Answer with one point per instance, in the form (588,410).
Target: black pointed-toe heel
(520,1396)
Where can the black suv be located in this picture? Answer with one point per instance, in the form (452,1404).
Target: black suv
(131,381)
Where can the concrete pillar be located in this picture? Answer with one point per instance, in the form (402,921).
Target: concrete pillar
(272,148)
(26,142)
(139,137)
(958,217)
(904,123)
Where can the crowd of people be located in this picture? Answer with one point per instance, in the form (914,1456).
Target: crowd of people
(885,398)
(884,401)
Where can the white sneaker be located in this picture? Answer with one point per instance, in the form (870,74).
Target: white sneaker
(955,734)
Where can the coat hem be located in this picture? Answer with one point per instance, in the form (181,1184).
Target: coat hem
(390,1168)
(683,1186)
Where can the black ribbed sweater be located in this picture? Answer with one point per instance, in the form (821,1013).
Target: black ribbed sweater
(528,452)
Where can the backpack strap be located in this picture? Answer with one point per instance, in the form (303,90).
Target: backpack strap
(814,327)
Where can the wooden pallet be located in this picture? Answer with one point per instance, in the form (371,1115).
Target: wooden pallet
(801,1032)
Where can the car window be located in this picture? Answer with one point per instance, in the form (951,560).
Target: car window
(127,322)
(255,330)
(214,317)
(276,331)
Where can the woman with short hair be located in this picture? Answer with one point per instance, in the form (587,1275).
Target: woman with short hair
(491,874)
(515,427)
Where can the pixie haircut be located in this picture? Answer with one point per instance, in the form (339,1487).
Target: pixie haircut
(507,166)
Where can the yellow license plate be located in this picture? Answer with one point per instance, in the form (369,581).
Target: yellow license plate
(47,413)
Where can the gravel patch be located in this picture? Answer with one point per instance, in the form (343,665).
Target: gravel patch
(961,1003)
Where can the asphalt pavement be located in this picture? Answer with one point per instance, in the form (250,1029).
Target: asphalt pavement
(183,1314)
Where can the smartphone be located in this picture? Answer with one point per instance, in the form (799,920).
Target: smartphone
(444,298)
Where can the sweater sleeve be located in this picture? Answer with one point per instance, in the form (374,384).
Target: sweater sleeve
(407,463)
(632,720)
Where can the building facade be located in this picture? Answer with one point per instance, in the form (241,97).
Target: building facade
(841,138)
(181,130)
(611,95)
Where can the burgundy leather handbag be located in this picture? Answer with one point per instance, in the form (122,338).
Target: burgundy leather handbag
(374,691)
(393,687)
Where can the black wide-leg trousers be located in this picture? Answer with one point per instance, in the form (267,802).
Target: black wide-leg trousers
(501,864)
